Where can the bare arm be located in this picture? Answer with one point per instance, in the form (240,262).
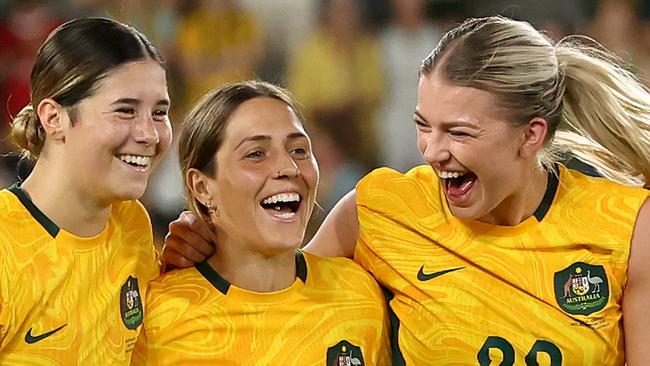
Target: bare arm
(337,236)
(636,298)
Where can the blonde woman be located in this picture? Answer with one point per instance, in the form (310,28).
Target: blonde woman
(493,248)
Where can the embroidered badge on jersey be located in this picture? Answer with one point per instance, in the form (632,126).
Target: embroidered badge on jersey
(581,288)
(131,303)
(344,353)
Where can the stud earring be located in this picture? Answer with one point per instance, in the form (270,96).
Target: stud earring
(212,210)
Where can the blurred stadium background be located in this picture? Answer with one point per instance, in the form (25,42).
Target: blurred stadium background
(350,63)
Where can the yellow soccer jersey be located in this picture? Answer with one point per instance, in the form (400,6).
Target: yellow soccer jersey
(545,292)
(66,300)
(333,314)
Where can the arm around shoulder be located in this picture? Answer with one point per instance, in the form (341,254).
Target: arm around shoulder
(636,298)
(337,236)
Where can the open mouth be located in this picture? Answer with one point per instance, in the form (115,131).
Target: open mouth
(457,184)
(282,205)
(140,162)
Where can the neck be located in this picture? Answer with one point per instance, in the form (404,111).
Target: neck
(523,203)
(70,208)
(254,271)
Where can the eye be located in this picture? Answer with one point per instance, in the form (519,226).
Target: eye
(127,112)
(159,114)
(421,126)
(300,153)
(457,133)
(255,155)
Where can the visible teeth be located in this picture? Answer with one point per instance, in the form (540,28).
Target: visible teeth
(282,197)
(447,175)
(135,159)
(285,215)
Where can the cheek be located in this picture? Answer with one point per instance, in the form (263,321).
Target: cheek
(421,142)
(240,185)
(165,136)
(232,194)
(311,173)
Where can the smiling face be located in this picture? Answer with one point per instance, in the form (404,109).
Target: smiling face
(464,136)
(266,178)
(120,133)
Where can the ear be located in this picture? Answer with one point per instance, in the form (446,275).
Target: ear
(198,183)
(52,117)
(534,135)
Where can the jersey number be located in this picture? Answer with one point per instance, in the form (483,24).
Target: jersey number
(509,352)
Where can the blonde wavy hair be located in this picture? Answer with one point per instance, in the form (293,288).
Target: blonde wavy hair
(576,81)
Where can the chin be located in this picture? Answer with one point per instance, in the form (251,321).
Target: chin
(131,194)
(464,213)
(286,243)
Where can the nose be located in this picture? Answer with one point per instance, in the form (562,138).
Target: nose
(145,130)
(434,148)
(286,167)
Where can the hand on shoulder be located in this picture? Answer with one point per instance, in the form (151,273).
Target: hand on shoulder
(189,241)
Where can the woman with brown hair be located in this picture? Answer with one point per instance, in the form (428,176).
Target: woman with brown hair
(250,172)
(76,248)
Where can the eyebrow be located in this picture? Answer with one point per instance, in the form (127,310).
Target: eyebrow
(291,136)
(135,101)
(449,124)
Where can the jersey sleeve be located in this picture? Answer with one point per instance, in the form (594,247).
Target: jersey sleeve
(365,191)
(382,351)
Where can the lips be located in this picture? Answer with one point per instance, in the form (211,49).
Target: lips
(457,184)
(140,162)
(283,205)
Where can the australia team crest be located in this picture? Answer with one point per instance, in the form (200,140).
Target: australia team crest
(581,288)
(344,353)
(131,304)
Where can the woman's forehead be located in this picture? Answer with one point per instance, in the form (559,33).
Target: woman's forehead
(439,99)
(263,116)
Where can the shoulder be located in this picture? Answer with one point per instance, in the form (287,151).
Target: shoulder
(173,295)
(186,283)
(334,273)
(131,217)
(170,283)
(9,206)
(387,178)
(5,225)
(580,189)
(131,236)
(7,213)
(20,234)
(598,209)
(386,186)
(130,210)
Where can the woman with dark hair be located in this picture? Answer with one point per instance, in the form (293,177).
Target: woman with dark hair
(76,248)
